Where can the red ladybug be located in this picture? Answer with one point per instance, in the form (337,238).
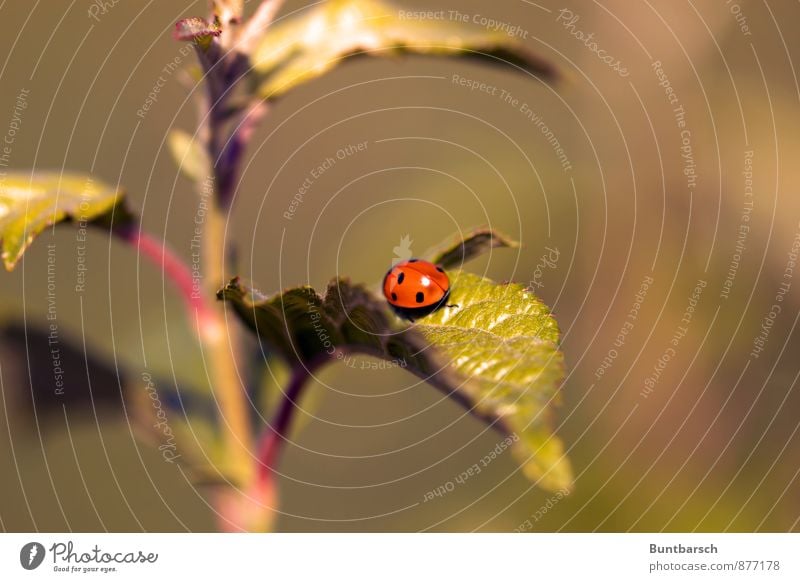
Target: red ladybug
(415,288)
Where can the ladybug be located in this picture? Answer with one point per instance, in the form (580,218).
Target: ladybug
(416,288)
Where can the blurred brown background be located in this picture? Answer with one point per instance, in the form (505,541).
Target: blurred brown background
(714,446)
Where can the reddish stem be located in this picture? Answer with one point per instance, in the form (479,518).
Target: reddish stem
(176,270)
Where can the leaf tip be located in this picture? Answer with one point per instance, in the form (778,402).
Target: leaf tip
(477,242)
(233,286)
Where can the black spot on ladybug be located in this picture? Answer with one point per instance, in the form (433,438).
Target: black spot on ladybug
(401,278)
(440,269)
(394,296)
(413,260)
(420,297)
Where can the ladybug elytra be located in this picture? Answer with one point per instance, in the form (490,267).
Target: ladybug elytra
(415,288)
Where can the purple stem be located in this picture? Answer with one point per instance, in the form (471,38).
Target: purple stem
(227,156)
(271,442)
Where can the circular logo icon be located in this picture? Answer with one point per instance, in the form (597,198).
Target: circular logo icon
(31,555)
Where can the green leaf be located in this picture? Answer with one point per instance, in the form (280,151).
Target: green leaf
(29,203)
(304,47)
(477,243)
(493,349)
(505,341)
(189,155)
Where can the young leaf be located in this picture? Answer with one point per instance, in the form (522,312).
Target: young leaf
(189,155)
(305,47)
(29,203)
(454,255)
(197,29)
(493,349)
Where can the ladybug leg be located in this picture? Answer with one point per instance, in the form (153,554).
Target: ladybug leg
(444,300)
(404,314)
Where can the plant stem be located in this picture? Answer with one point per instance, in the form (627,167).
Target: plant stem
(274,436)
(224,68)
(218,346)
(221,349)
(175,269)
(271,442)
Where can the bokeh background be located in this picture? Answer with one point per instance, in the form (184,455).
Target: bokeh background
(712,447)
